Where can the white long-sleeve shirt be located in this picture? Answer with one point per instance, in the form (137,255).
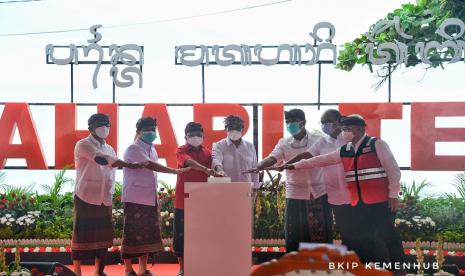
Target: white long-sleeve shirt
(333,176)
(236,160)
(95,184)
(388,162)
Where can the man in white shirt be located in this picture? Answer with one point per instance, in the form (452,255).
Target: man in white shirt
(95,163)
(373,178)
(301,186)
(233,155)
(333,176)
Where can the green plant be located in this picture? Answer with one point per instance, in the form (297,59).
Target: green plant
(3,266)
(55,210)
(15,190)
(2,177)
(452,236)
(459,183)
(60,180)
(16,205)
(411,220)
(17,266)
(416,227)
(420,20)
(117,204)
(449,214)
(269,208)
(413,191)
(48,216)
(166,195)
(6,233)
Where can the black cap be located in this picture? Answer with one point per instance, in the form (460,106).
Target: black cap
(233,120)
(145,121)
(193,127)
(353,120)
(294,114)
(98,117)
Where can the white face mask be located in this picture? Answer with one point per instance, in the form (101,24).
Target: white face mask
(195,141)
(234,135)
(102,132)
(348,136)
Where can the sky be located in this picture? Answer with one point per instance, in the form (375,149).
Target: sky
(161,25)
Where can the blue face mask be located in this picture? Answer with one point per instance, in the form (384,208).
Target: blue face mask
(148,136)
(327,128)
(293,128)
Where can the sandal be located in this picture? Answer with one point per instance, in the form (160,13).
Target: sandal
(148,273)
(131,273)
(181,273)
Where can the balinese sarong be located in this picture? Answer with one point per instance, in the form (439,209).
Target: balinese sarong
(320,220)
(141,230)
(296,227)
(92,230)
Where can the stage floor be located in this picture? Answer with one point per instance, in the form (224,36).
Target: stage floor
(118,270)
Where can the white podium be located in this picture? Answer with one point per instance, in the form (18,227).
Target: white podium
(217,229)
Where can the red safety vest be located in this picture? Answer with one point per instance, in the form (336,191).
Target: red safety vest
(366,178)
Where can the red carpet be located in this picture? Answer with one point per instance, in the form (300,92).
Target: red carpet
(118,270)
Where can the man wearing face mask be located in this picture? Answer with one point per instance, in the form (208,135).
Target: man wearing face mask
(336,187)
(93,227)
(190,155)
(141,231)
(373,179)
(301,186)
(233,155)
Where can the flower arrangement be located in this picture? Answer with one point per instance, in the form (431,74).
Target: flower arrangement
(49,216)
(411,228)
(440,254)
(420,257)
(16,270)
(166,195)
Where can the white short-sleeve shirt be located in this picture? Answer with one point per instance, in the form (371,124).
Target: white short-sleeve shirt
(300,184)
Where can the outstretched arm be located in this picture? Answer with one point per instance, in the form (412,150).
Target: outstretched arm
(154,166)
(324,160)
(262,165)
(199,167)
(298,157)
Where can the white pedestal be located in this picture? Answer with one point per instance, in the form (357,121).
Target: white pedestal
(217,229)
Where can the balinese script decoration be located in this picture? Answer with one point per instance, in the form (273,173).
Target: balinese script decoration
(192,55)
(118,54)
(384,51)
(309,54)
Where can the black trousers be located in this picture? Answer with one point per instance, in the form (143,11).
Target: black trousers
(344,224)
(178,233)
(307,221)
(378,240)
